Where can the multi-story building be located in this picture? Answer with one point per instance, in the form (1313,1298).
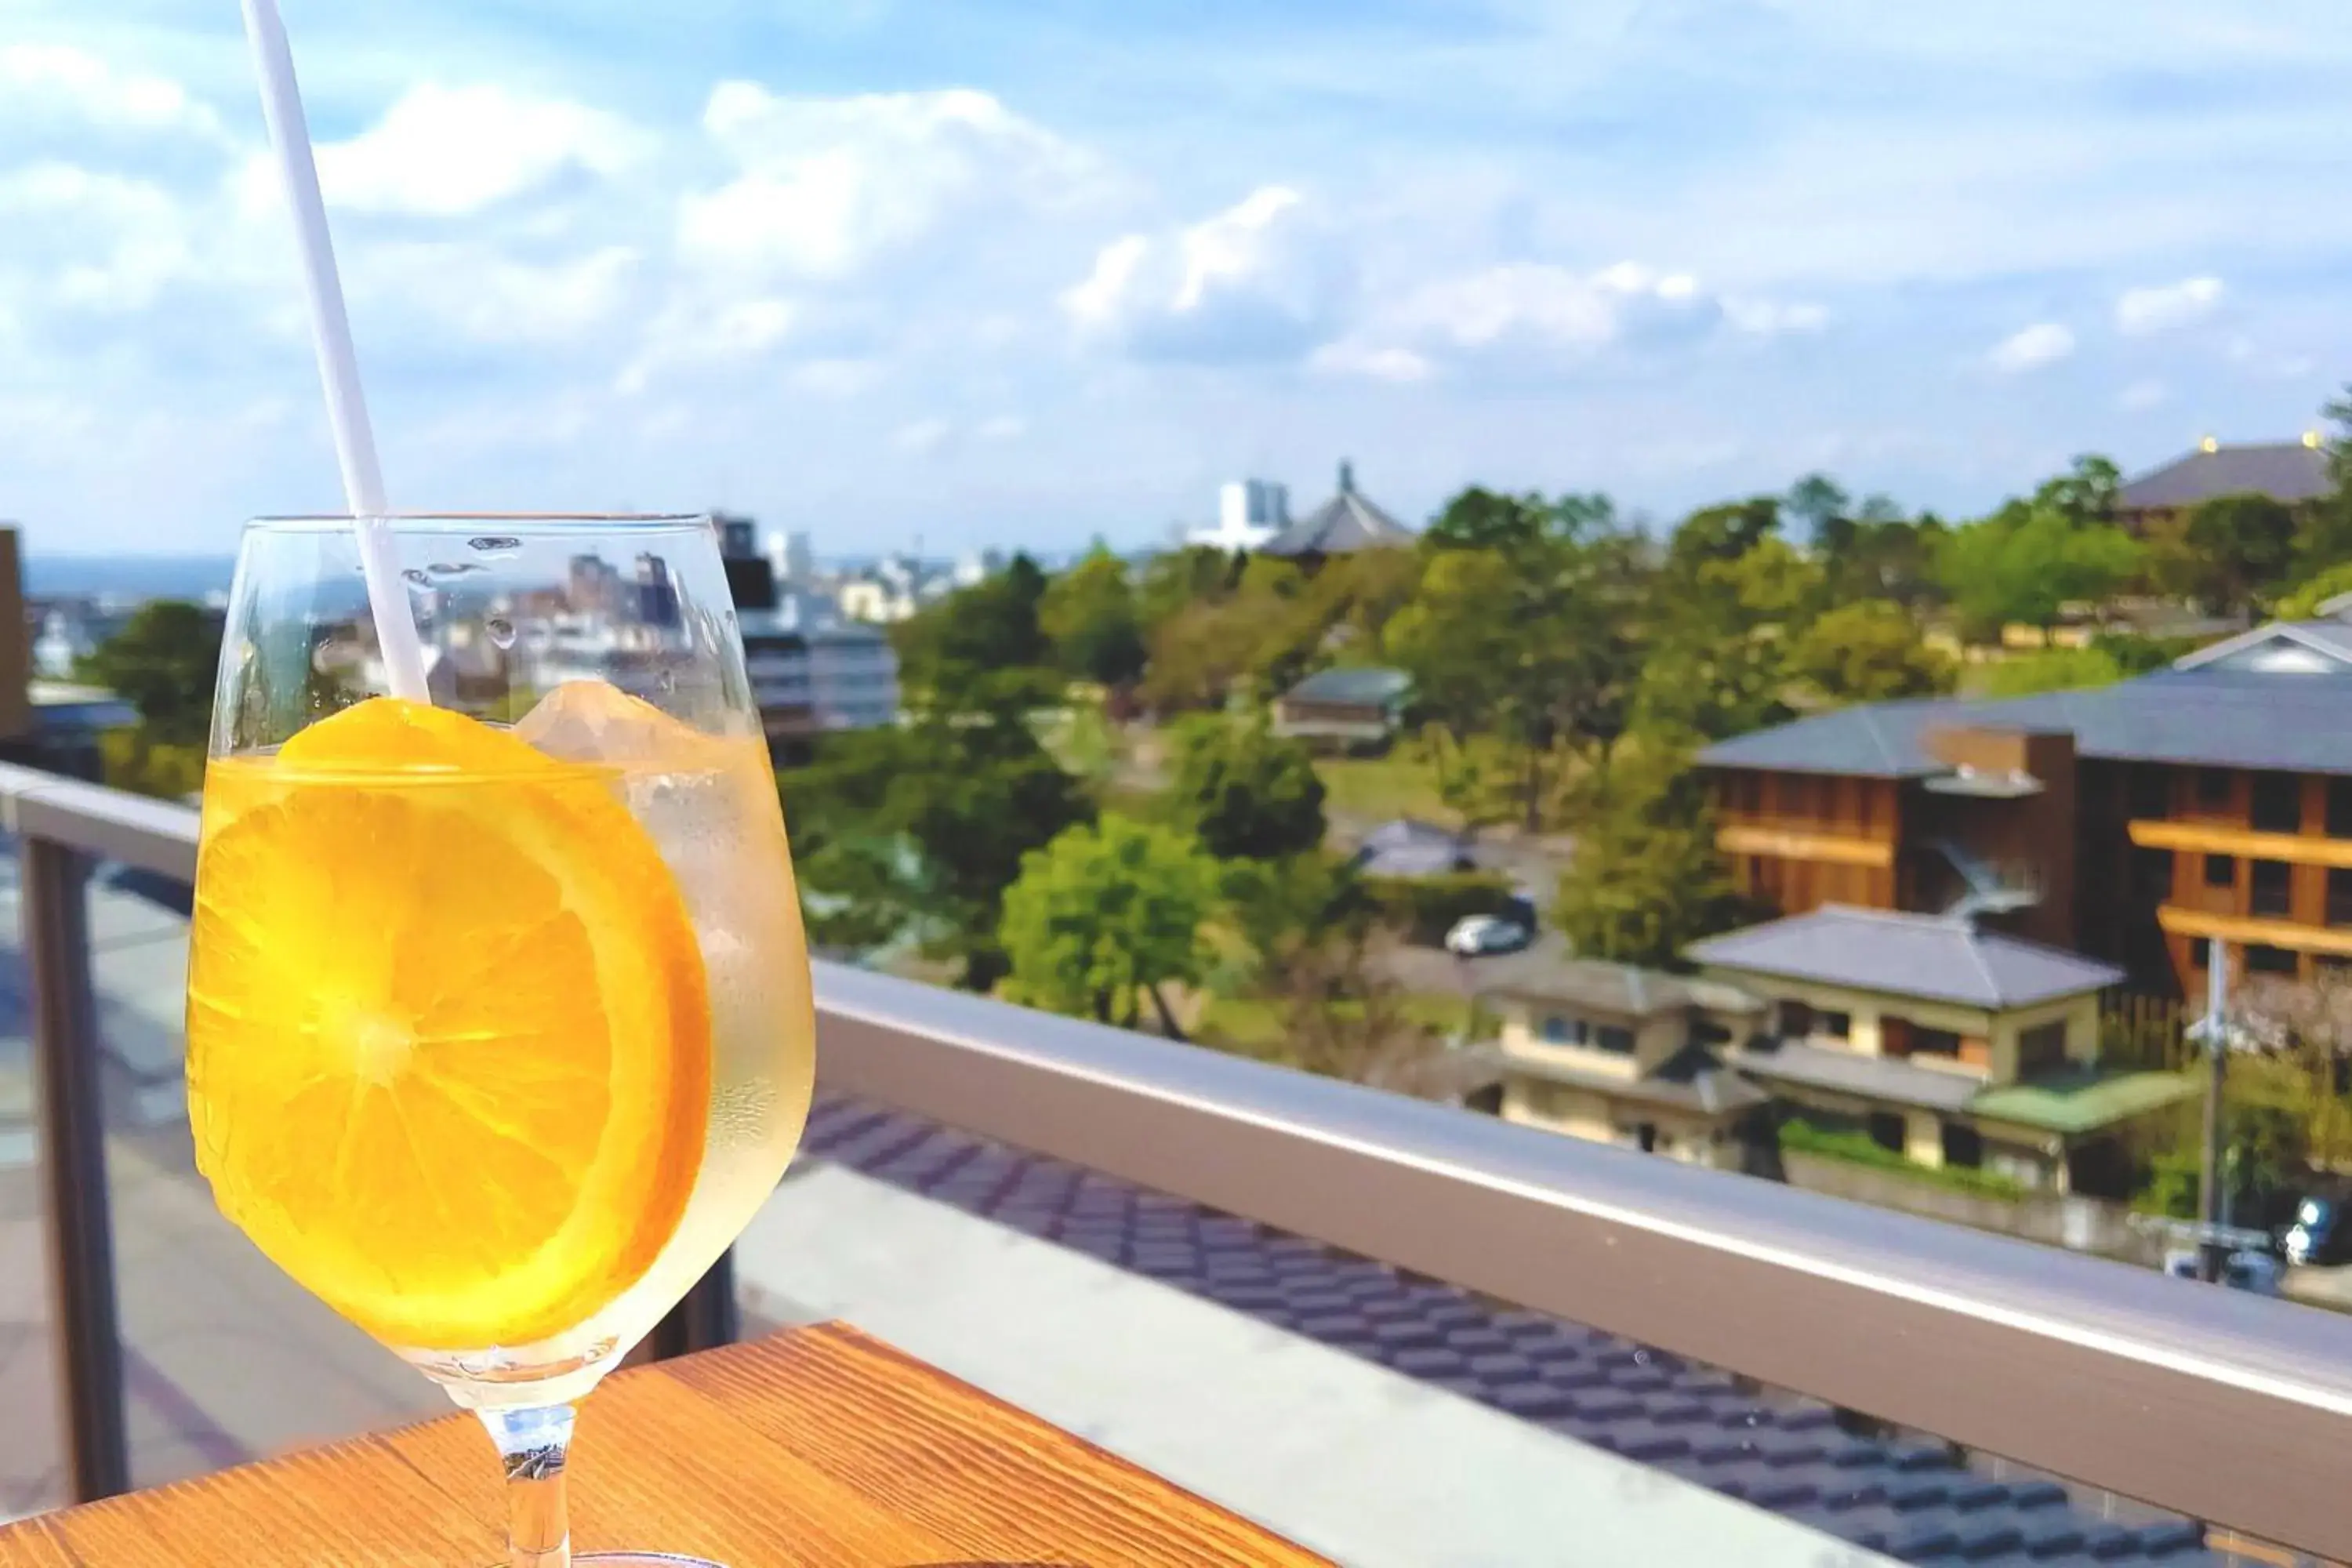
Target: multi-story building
(2133,823)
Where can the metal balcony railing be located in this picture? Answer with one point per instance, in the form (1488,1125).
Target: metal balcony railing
(2224,1406)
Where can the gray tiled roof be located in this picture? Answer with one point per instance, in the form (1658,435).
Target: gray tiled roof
(1347,522)
(1367,688)
(2330,640)
(1851,1072)
(1907,955)
(2217,717)
(2284,470)
(1544,975)
(1691,1079)
(1910,1496)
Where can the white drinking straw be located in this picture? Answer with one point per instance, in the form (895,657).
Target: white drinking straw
(331,328)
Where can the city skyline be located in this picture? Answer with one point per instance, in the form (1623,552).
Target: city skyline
(988,276)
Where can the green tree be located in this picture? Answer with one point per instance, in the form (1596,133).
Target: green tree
(1823,508)
(1647,879)
(1105,913)
(917,830)
(1247,792)
(2049,669)
(987,628)
(1175,580)
(2302,602)
(2247,542)
(1723,532)
(1088,613)
(2084,493)
(1529,640)
(2024,564)
(1868,651)
(163,661)
(1722,630)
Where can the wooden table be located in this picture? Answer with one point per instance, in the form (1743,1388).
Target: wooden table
(817,1445)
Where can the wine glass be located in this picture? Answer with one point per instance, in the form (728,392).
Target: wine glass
(498,1015)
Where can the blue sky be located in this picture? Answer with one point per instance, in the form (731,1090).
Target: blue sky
(977,271)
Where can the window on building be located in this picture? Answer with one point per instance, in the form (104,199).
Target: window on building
(1934,1043)
(2221,870)
(2339,896)
(1796,1020)
(1836,1026)
(2274,887)
(1611,1038)
(2214,789)
(2151,791)
(2340,809)
(1562,1030)
(1963,1146)
(2199,951)
(2041,1049)
(1645,1137)
(2152,875)
(2263,959)
(1887,1130)
(2277,803)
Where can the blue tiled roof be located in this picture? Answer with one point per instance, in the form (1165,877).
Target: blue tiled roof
(2209,716)
(1911,1498)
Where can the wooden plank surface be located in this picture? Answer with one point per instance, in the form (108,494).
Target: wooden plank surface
(816,1447)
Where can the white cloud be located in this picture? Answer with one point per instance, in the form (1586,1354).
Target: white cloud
(830,183)
(1772,318)
(1264,278)
(2043,343)
(695,332)
(1535,316)
(448,151)
(2142,311)
(37,75)
(922,436)
(488,297)
(1002,427)
(2142,396)
(113,243)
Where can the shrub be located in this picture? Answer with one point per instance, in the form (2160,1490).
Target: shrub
(1857,1147)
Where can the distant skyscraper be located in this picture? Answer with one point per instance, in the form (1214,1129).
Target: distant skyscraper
(794,555)
(1249,512)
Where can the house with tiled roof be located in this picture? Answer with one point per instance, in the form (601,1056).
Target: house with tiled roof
(1623,1054)
(2135,823)
(2293,473)
(1948,1043)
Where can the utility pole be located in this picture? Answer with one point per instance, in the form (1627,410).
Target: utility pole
(2212,1250)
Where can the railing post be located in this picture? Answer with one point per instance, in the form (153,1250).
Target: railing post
(56,939)
(704,1319)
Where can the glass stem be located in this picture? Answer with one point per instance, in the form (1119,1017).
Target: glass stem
(534,1444)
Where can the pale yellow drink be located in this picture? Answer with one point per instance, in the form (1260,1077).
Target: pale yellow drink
(496,1039)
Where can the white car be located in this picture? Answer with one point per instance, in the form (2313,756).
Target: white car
(1476,934)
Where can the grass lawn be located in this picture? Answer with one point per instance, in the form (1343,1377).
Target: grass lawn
(1377,788)
(1254,1023)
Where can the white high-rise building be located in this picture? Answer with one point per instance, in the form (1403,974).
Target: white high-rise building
(794,555)
(1249,512)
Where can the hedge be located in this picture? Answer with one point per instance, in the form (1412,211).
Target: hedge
(1425,907)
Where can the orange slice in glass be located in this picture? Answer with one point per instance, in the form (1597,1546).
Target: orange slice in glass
(448,1035)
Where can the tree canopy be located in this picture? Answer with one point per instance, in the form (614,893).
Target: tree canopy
(916,831)
(1246,792)
(1105,914)
(163,662)
(1090,613)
